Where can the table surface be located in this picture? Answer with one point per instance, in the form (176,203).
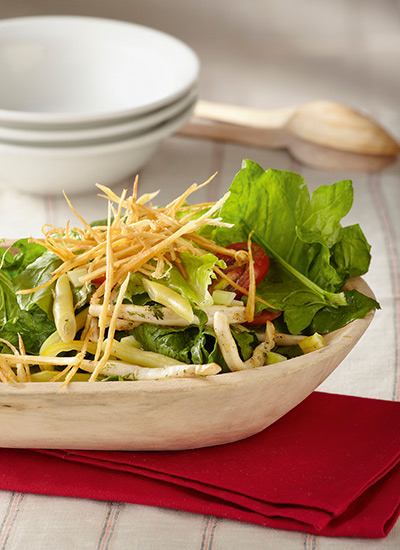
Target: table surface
(260,54)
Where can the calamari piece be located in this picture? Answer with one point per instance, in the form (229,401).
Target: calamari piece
(229,349)
(270,334)
(165,316)
(282,339)
(135,372)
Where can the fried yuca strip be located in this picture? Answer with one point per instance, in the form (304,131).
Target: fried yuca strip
(212,247)
(79,358)
(6,372)
(25,366)
(86,225)
(21,374)
(110,195)
(92,242)
(251,297)
(148,254)
(121,256)
(108,283)
(111,330)
(172,208)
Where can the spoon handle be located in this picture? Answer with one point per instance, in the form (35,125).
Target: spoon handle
(270,119)
(233,133)
(237,124)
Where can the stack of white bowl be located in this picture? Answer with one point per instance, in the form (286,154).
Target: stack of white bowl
(86,100)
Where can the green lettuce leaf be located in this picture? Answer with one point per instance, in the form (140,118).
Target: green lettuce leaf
(313,255)
(135,293)
(192,344)
(37,273)
(287,293)
(14,264)
(351,254)
(33,326)
(328,319)
(199,271)
(8,301)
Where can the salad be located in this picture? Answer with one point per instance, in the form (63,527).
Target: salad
(186,289)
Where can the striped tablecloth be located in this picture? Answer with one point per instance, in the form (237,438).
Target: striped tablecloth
(279,52)
(371,370)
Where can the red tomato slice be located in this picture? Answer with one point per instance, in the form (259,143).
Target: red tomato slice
(99,281)
(240,274)
(263,317)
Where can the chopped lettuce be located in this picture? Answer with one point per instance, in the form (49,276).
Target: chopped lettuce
(199,272)
(135,292)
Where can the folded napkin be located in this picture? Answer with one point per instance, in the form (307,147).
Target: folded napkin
(331,467)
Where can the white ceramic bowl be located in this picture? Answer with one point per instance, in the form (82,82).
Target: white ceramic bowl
(169,414)
(101,134)
(70,70)
(49,170)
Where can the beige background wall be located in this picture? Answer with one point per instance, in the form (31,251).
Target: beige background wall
(271,52)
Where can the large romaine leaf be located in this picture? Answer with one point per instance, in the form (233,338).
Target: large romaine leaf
(313,254)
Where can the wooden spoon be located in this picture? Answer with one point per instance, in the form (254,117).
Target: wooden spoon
(322,134)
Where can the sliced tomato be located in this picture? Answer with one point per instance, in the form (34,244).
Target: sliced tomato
(263,317)
(99,281)
(240,274)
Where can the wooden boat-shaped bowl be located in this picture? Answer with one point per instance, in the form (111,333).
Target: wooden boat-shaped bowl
(169,414)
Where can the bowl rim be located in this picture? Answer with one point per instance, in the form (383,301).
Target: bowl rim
(345,337)
(141,139)
(28,117)
(148,121)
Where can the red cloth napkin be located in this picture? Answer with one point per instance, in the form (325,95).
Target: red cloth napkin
(330,467)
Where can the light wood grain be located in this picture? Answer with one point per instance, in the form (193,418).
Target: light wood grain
(168,414)
(322,134)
